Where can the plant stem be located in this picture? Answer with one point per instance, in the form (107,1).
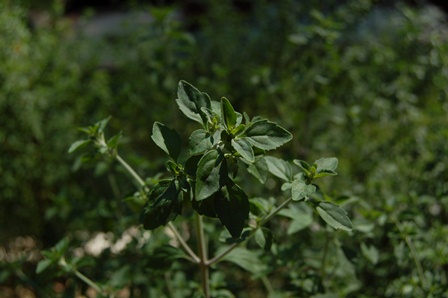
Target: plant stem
(203,255)
(130,170)
(261,223)
(81,276)
(89,281)
(185,246)
(173,228)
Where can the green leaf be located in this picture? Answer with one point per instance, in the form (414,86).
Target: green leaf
(167,139)
(163,205)
(191,101)
(334,215)
(279,167)
(266,135)
(200,141)
(191,165)
(371,253)
(206,207)
(301,215)
(300,190)
(248,260)
(113,142)
(211,175)
(326,164)
(43,265)
(233,210)
(228,114)
(259,169)
(103,123)
(244,148)
(303,165)
(322,174)
(78,145)
(264,238)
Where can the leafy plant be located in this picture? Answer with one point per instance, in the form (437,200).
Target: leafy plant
(205,179)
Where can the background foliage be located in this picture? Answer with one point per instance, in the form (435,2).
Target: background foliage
(354,79)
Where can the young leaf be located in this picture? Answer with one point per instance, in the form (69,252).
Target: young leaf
(244,148)
(334,215)
(43,265)
(113,142)
(300,190)
(233,210)
(278,167)
(211,175)
(78,145)
(303,165)
(266,135)
(228,114)
(326,164)
(191,101)
(167,139)
(163,205)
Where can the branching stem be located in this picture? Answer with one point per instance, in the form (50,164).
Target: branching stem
(185,246)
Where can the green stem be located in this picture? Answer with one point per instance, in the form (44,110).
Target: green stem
(185,246)
(81,276)
(130,170)
(193,257)
(252,233)
(203,255)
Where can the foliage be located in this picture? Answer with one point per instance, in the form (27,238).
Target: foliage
(360,80)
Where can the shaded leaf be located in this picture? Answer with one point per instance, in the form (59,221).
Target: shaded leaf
(233,209)
(211,175)
(163,205)
(191,101)
(334,216)
(167,139)
(264,238)
(199,141)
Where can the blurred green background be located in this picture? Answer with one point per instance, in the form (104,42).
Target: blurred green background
(365,81)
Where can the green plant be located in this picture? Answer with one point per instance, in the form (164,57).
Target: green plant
(205,180)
